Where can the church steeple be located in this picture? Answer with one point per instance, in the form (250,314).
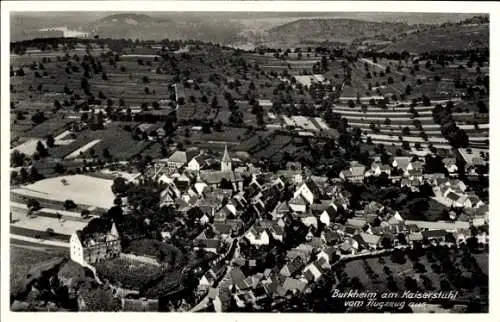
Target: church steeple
(226,161)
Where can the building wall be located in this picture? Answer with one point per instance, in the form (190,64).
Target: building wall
(76,250)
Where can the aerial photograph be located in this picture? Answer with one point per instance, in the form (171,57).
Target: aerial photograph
(322,162)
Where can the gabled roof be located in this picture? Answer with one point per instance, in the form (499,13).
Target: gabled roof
(299,200)
(331,236)
(237,276)
(222,228)
(292,284)
(292,267)
(282,208)
(402,162)
(206,243)
(370,239)
(452,196)
(429,234)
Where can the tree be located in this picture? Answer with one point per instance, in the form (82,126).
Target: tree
(119,186)
(69,204)
(59,168)
(17,158)
(85,214)
(40,148)
(387,121)
(50,141)
(426,101)
(106,154)
(145,79)
(33,204)
(38,117)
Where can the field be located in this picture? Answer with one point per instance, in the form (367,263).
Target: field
(79,188)
(93,102)
(426,271)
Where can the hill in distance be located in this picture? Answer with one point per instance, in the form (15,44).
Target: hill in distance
(145,27)
(331,30)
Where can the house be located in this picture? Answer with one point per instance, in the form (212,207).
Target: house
(303,250)
(197,163)
(349,246)
(277,232)
(97,241)
(238,278)
(372,240)
(305,192)
(140,305)
(454,199)
(280,210)
(329,254)
(298,204)
(180,158)
(435,235)
(331,237)
(473,158)
(292,267)
(257,236)
(328,215)
(451,166)
(208,245)
(402,163)
(312,272)
(207,280)
(292,285)
(450,226)
(222,229)
(377,168)
(355,173)
(309,220)
(415,237)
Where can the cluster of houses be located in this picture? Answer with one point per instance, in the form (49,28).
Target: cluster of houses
(257,208)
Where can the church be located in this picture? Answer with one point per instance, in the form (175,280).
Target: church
(215,178)
(164,171)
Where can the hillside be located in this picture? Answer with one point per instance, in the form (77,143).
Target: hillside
(443,38)
(340,30)
(144,27)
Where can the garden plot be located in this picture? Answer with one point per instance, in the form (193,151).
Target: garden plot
(382,113)
(405,120)
(60,139)
(413,139)
(321,123)
(395,126)
(393,143)
(304,123)
(84,190)
(305,80)
(26,225)
(83,149)
(28,147)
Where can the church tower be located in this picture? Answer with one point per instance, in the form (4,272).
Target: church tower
(226,165)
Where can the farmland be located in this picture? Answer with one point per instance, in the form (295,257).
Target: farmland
(422,269)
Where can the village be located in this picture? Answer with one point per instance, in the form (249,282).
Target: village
(188,176)
(271,234)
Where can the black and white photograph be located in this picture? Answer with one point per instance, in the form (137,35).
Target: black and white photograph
(322,161)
